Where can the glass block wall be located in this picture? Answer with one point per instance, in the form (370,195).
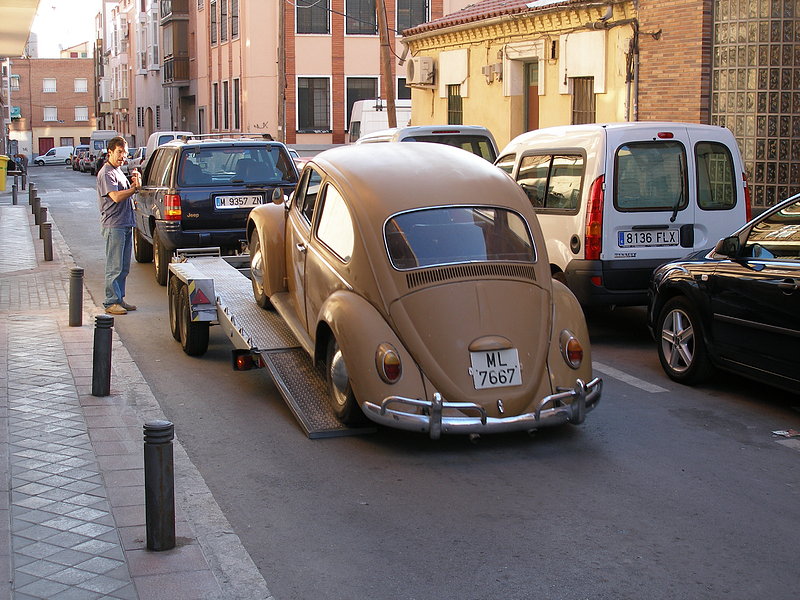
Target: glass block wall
(756,90)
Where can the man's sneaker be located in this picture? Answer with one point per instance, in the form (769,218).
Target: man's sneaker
(116,309)
(127,306)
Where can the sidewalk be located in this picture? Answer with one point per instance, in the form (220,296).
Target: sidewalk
(72,518)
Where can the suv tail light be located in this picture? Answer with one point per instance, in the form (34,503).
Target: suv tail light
(172,207)
(748,208)
(593,244)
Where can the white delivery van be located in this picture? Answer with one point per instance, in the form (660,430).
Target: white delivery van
(369,116)
(60,155)
(617,200)
(157,139)
(472,138)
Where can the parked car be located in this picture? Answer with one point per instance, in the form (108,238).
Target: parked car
(432,310)
(616,200)
(198,193)
(734,307)
(160,138)
(126,166)
(75,157)
(60,155)
(471,138)
(137,162)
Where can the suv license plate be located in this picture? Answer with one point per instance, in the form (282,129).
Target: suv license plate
(647,237)
(495,368)
(237,201)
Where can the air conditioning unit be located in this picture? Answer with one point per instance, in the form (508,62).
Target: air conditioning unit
(421,71)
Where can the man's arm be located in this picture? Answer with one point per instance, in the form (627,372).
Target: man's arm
(122,195)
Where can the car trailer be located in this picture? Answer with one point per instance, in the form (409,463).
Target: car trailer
(205,289)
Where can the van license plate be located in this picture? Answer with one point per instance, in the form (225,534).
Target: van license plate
(237,201)
(648,237)
(495,368)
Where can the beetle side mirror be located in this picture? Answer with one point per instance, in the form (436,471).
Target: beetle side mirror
(277,196)
(729,246)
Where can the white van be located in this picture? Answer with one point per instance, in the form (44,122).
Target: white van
(369,116)
(472,138)
(60,155)
(617,200)
(157,139)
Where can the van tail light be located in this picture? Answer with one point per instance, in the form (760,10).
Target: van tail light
(172,207)
(593,244)
(748,207)
(387,361)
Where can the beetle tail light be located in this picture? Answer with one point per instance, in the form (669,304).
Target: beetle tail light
(172,207)
(593,244)
(387,361)
(571,349)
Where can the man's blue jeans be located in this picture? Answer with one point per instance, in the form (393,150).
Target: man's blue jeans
(119,242)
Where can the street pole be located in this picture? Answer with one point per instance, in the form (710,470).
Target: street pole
(387,79)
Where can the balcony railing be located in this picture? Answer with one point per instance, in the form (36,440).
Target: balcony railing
(176,70)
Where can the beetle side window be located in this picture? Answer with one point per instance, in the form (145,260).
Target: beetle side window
(335,226)
(716,180)
(650,176)
(307,192)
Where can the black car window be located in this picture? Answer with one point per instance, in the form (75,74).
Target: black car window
(454,234)
(716,180)
(650,176)
(777,235)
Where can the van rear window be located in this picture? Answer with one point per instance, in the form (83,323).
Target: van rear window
(651,176)
(477,144)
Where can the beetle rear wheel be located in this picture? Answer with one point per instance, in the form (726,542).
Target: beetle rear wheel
(343,401)
(681,348)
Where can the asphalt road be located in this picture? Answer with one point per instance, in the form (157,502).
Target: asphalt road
(665,491)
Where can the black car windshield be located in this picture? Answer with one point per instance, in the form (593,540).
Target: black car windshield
(455,234)
(236,165)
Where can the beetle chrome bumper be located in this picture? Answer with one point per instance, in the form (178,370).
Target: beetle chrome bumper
(552,410)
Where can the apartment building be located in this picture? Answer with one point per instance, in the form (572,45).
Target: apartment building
(52,103)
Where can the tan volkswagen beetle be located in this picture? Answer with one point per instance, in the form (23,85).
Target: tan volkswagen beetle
(417,274)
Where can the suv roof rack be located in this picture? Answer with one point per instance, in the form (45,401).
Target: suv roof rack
(223,137)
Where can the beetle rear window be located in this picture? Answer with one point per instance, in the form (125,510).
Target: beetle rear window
(448,235)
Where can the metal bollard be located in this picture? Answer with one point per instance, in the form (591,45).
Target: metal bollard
(31,193)
(159,485)
(14,192)
(47,237)
(101,357)
(24,179)
(35,208)
(42,220)
(75,297)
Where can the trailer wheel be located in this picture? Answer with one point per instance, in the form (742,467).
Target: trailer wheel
(194,334)
(174,293)
(142,249)
(161,256)
(343,401)
(257,272)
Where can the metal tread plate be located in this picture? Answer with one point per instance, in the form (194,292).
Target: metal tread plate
(303,387)
(264,329)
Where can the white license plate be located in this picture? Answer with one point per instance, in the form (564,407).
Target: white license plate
(648,237)
(495,368)
(237,201)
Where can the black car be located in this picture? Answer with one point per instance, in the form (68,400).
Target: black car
(736,307)
(198,192)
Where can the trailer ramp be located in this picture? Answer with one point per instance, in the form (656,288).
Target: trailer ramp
(248,326)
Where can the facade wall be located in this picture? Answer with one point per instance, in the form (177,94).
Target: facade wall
(32,131)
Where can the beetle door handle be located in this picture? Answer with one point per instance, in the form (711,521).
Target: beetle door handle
(301,247)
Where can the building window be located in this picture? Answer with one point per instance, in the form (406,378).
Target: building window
(50,113)
(200,4)
(81,113)
(81,85)
(212,8)
(223,20)
(215,106)
(361,18)
(411,13)
(237,125)
(158,117)
(583,106)
(455,111)
(226,107)
(66,141)
(14,83)
(49,85)
(359,88)
(313,105)
(312,16)
(234,18)
(403,91)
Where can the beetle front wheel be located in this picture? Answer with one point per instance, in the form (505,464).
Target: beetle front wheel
(343,401)
(681,347)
